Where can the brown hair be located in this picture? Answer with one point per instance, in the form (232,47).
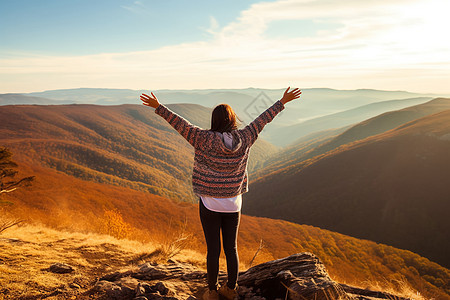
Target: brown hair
(224,119)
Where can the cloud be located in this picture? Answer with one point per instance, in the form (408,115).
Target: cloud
(213,26)
(385,44)
(137,7)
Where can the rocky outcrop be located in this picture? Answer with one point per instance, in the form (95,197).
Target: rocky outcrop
(299,276)
(173,280)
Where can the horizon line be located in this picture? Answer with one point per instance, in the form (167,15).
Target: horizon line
(246,88)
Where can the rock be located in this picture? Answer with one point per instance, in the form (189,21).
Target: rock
(300,276)
(74,286)
(147,287)
(140,290)
(129,282)
(246,292)
(110,289)
(127,292)
(161,288)
(61,268)
(149,271)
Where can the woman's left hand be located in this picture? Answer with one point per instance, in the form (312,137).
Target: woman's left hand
(151,101)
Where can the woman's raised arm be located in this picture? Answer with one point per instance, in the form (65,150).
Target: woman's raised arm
(290,95)
(253,129)
(193,134)
(151,101)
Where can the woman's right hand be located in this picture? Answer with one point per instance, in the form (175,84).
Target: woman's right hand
(290,95)
(151,101)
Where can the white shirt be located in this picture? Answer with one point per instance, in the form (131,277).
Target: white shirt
(232,204)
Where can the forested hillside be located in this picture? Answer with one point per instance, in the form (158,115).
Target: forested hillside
(390,188)
(127,145)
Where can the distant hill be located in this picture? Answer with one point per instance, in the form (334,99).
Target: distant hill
(298,150)
(92,96)
(127,145)
(382,123)
(321,142)
(66,203)
(19,99)
(249,103)
(338,120)
(390,188)
(320,100)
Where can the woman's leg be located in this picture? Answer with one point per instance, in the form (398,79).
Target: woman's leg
(211,228)
(230,226)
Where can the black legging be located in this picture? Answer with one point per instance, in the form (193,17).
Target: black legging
(212,222)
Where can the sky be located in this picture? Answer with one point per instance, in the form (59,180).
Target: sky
(175,44)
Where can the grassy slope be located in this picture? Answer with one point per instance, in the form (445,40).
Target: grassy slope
(63,202)
(391,188)
(28,252)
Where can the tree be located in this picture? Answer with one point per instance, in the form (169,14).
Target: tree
(7,173)
(8,183)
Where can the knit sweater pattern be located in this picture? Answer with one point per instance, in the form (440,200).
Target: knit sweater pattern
(219,171)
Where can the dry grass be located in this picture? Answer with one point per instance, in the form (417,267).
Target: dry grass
(26,253)
(399,287)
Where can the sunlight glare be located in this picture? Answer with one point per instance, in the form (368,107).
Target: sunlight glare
(430,22)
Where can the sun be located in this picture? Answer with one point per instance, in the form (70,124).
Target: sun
(429,23)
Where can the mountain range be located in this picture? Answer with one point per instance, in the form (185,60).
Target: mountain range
(340,119)
(373,182)
(301,118)
(321,142)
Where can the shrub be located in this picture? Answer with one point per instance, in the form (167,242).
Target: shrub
(114,225)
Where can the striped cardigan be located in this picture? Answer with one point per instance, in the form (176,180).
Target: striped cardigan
(219,171)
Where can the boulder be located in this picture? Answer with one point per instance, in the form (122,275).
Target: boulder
(299,276)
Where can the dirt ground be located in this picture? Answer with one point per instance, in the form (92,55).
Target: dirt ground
(27,252)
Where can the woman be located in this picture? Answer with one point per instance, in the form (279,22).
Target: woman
(219,178)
